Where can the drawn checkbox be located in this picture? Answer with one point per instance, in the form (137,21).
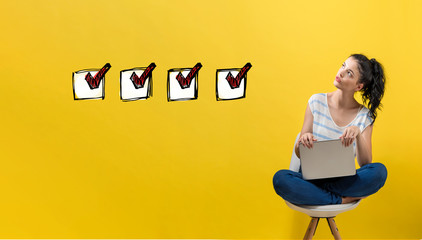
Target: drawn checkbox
(231,83)
(89,83)
(182,83)
(136,83)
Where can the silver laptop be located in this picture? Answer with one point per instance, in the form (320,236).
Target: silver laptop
(327,159)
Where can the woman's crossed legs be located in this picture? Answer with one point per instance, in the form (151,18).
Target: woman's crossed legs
(293,188)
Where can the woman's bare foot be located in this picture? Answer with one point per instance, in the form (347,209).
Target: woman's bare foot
(350,199)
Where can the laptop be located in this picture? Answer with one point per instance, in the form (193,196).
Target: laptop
(327,159)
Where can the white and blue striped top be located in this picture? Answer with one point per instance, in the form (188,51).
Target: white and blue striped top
(324,127)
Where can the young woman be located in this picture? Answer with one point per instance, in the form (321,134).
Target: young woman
(338,115)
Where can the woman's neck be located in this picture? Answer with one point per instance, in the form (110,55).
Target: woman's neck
(341,99)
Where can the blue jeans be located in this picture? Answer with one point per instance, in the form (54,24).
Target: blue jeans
(293,188)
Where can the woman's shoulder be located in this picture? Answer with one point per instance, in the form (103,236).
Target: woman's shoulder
(318,96)
(364,111)
(364,108)
(318,102)
(364,116)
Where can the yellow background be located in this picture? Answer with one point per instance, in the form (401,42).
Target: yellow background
(202,168)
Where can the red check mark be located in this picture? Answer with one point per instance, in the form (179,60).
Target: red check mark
(234,82)
(94,82)
(185,82)
(139,82)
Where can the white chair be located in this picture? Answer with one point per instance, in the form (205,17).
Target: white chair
(319,211)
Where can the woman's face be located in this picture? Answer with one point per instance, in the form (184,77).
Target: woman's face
(348,76)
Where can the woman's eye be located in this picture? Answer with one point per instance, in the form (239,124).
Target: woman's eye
(350,74)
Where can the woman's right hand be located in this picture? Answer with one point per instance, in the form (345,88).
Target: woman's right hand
(307,139)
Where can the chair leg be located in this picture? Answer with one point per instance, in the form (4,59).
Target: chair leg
(311,228)
(334,229)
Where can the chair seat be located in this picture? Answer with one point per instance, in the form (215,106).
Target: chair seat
(323,211)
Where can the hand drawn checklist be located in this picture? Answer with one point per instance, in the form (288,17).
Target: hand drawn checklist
(136,83)
(182,83)
(231,83)
(89,83)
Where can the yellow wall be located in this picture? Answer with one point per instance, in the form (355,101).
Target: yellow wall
(203,168)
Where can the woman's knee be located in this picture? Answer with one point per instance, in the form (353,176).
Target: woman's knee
(281,180)
(378,173)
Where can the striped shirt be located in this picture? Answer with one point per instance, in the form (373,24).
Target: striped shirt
(324,127)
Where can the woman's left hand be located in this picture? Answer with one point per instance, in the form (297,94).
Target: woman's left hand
(349,135)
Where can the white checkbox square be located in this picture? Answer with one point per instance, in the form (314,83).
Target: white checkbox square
(81,88)
(223,89)
(129,90)
(178,92)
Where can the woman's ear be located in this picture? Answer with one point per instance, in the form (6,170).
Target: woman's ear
(359,87)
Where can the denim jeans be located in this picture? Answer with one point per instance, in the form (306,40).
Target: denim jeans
(293,188)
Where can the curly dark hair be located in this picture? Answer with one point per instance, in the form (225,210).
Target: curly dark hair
(373,79)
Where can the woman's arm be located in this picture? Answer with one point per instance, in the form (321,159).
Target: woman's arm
(364,146)
(306,136)
(363,143)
